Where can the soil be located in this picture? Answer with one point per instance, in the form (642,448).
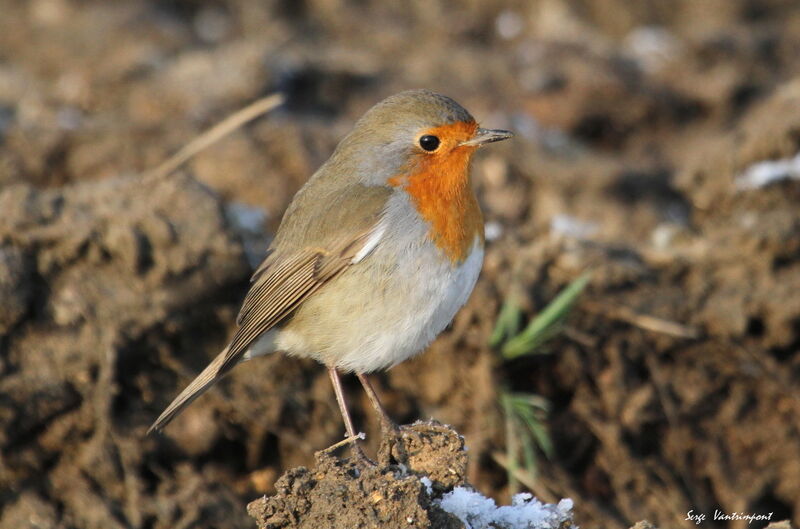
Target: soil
(674,386)
(348,493)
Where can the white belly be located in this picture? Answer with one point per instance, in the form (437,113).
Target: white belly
(428,306)
(403,295)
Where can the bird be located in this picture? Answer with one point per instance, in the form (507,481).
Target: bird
(375,254)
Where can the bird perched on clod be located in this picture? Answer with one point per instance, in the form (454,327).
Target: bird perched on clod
(375,254)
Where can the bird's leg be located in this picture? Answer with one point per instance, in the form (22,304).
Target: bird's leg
(391,432)
(348,423)
(387,424)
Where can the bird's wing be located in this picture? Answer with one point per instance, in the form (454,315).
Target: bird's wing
(317,240)
(284,284)
(307,253)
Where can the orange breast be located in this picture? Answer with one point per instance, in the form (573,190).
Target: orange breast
(441,192)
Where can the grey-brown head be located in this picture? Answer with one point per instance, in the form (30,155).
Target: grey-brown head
(403,128)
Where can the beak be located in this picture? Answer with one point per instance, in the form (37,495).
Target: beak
(487,136)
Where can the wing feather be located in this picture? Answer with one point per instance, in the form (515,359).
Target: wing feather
(276,294)
(267,283)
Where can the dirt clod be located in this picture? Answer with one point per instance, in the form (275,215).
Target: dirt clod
(433,450)
(345,493)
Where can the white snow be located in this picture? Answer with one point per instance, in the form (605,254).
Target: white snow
(663,235)
(245,217)
(551,139)
(493,230)
(572,227)
(762,174)
(509,24)
(525,512)
(248,221)
(426,481)
(652,46)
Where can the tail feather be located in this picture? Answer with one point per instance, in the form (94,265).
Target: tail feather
(197,387)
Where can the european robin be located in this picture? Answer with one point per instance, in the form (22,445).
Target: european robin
(375,254)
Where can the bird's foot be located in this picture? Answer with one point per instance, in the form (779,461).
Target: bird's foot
(361,458)
(393,446)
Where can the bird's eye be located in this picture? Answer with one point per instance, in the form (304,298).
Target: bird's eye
(429,142)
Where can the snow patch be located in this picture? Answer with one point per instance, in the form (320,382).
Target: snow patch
(509,24)
(572,227)
(245,217)
(551,139)
(652,46)
(493,230)
(525,512)
(768,172)
(248,222)
(427,483)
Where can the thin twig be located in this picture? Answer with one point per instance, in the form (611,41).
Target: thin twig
(512,445)
(644,321)
(346,441)
(576,335)
(221,129)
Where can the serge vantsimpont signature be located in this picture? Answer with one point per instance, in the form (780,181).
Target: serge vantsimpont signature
(699,517)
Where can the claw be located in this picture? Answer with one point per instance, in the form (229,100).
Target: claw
(361,458)
(393,443)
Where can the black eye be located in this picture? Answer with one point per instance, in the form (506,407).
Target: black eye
(429,143)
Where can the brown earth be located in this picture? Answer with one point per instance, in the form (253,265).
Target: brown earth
(346,493)
(675,384)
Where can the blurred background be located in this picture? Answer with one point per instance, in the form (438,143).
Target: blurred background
(657,147)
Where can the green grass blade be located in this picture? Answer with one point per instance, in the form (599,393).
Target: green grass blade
(530,410)
(542,437)
(546,323)
(529,454)
(508,322)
